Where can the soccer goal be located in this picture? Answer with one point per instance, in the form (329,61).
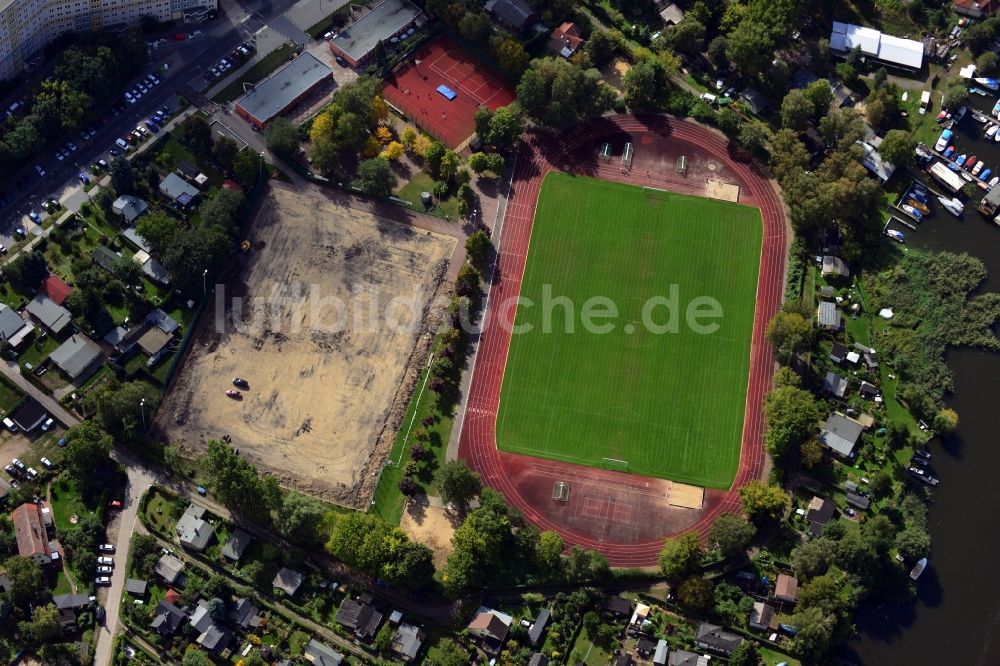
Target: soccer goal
(605,152)
(615,464)
(682,165)
(627,156)
(560,491)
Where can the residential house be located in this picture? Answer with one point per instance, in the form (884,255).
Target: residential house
(30,533)
(53,287)
(136,587)
(853,357)
(360,617)
(565,40)
(826,292)
(828,316)
(868,391)
(875,163)
(661,653)
(407,641)
(29,415)
(761,616)
(538,626)
(624,659)
(167,618)
(178,191)
(838,353)
(538,659)
(288,581)
(840,435)
(154,343)
(13,328)
(212,637)
(105,258)
(321,654)
(132,235)
(897,52)
(163,321)
(54,318)
(129,207)
(820,512)
(683,658)
(786,588)
(169,568)
(834,267)
(715,639)
(976,9)
(842,95)
(858,501)
(151,268)
(244,614)
(754,100)
(515,14)
(835,385)
(69,606)
(79,356)
(618,606)
(644,647)
(491,629)
(671,14)
(193,531)
(236,544)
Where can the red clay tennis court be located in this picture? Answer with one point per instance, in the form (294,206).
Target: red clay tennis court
(413,89)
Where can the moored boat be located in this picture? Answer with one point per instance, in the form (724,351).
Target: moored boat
(996,109)
(911,211)
(919,206)
(979,167)
(970,162)
(985,175)
(987,82)
(949,151)
(992,130)
(994,180)
(895,235)
(953,205)
(918,193)
(960,160)
(918,569)
(977,91)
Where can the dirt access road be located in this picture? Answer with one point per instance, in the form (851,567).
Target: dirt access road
(322,322)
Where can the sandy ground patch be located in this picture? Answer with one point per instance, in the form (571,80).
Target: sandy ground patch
(309,323)
(432,526)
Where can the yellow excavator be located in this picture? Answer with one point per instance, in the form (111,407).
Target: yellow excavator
(245,246)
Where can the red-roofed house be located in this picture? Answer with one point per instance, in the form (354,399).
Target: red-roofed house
(32,539)
(565,39)
(976,8)
(171,596)
(55,289)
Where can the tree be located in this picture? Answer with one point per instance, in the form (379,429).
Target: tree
(248,168)
(880,484)
(790,333)
(195,657)
(988,63)
(955,95)
(820,96)
(796,110)
(695,593)
(745,654)
(945,421)
(433,155)
(217,608)
(196,133)
(496,162)
(298,519)
(506,126)
(913,543)
(750,47)
(898,147)
(791,414)
(813,558)
(601,47)
(763,502)
(28,269)
(127,270)
(451,653)
(810,453)
(24,576)
(282,137)
(467,283)
(730,534)
(393,151)
(87,455)
(645,84)
(383,639)
(558,93)
(44,626)
(159,230)
(122,177)
(479,162)
(475,27)
(753,137)
(815,629)
(224,151)
(375,177)
(458,483)
(121,408)
(548,554)
(680,556)
(477,248)
(687,37)
(409,138)
(511,56)
(237,483)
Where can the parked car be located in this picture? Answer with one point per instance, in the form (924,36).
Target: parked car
(31,473)
(46,463)
(35,217)
(50,422)
(70,146)
(110,561)
(153,127)
(16,462)
(115,504)
(114,152)
(39,169)
(103,580)
(105,570)
(106,548)
(60,155)
(10,469)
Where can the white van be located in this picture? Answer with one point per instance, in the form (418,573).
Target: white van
(925,100)
(708,97)
(10,425)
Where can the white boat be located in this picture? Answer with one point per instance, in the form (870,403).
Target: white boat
(987,82)
(996,109)
(953,206)
(979,118)
(911,211)
(979,167)
(992,130)
(918,568)
(994,180)
(895,235)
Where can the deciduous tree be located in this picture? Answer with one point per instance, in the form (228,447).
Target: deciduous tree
(730,533)
(763,502)
(680,556)
(458,483)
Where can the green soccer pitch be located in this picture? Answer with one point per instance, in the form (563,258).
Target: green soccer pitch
(668,404)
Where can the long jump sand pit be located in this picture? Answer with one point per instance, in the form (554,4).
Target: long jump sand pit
(311,323)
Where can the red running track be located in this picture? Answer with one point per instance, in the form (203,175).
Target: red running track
(505,471)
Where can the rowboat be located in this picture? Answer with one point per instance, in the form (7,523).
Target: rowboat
(918,568)
(919,206)
(969,163)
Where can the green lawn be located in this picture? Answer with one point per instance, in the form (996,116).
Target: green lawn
(258,71)
(422,182)
(587,652)
(66,502)
(670,402)
(11,396)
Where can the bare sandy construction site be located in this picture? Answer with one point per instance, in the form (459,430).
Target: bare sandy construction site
(310,324)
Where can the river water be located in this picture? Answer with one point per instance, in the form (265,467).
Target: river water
(955,619)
